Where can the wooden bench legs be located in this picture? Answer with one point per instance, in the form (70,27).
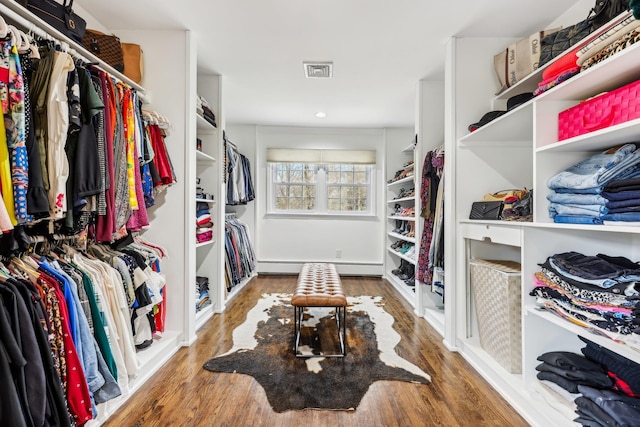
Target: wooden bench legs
(341,321)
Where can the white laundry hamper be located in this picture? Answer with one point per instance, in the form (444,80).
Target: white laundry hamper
(497,293)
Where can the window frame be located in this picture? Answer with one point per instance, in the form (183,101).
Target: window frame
(322,196)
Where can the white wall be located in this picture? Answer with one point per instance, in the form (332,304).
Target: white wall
(283,243)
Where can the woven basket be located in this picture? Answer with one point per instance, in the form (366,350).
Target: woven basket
(611,108)
(497,294)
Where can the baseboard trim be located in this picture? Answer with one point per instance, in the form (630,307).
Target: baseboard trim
(344,268)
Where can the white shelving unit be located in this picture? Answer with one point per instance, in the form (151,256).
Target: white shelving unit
(521,149)
(395,259)
(207,170)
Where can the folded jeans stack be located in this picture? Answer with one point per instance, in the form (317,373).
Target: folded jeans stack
(576,193)
(202,292)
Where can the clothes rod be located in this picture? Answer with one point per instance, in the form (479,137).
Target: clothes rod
(39,238)
(28,22)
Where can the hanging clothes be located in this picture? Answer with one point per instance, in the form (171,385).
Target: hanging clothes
(240,188)
(12,97)
(240,260)
(58,125)
(67,328)
(431,253)
(37,200)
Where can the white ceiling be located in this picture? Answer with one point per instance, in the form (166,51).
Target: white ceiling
(380,49)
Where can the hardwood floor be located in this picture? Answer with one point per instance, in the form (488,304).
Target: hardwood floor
(182,393)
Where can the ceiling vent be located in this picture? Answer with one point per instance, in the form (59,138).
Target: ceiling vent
(318,70)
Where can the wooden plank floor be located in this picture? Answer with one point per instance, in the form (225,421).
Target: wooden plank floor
(182,393)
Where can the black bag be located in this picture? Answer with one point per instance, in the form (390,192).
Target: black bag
(553,45)
(59,16)
(556,43)
(521,210)
(605,10)
(486,210)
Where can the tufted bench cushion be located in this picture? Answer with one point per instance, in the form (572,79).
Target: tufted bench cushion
(319,286)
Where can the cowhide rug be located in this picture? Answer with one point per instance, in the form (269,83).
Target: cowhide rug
(263,348)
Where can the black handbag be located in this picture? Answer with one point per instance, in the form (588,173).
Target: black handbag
(601,13)
(605,10)
(553,45)
(59,16)
(486,210)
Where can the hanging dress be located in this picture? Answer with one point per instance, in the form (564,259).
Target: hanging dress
(58,116)
(12,97)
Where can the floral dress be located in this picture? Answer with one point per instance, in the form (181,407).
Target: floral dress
(12,98)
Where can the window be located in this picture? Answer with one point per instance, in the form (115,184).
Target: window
(347,188)
(331,189)
(294,186)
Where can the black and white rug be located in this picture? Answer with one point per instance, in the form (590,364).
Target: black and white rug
(263,348)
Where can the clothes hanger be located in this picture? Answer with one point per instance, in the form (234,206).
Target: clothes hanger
(4,28)
(24,269)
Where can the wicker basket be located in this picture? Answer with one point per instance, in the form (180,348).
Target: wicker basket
(497,294)
(609,109)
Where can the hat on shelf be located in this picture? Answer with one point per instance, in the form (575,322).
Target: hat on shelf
(491,115)
(518,100)
(512,103)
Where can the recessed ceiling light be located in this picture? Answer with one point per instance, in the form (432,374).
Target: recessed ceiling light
(320,114)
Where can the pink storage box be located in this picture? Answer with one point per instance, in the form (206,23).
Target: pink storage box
(611,108)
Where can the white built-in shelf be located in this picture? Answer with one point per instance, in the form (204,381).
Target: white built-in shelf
(620,348)
(598,140)
(404,199)
(622,228)
(403,218)
(409,148)
(405,167)
(210,201)
(401,237)
(204,158)
(435,317)
(408,292)
(203,316)
(151,359)
(481,357)
(508,130)
(203,244)
(403,256)
(204,127)
(401,181)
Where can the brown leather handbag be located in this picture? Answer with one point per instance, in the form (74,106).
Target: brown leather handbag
(133,63)
(107,47)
